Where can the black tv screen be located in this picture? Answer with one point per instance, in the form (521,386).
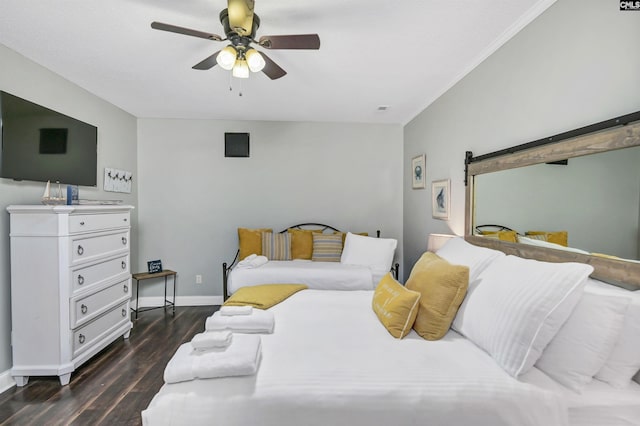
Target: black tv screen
(42,145)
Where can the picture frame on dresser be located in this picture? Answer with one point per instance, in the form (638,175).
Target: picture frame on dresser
(83,283)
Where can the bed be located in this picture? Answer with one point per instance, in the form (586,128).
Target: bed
(331,361)
(328,366)
(351,268)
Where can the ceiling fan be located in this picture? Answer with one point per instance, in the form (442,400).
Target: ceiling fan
(240,24)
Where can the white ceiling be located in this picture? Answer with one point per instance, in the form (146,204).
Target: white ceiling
(402,54)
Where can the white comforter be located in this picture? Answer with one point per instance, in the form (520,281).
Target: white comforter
(317,275)
(331,362)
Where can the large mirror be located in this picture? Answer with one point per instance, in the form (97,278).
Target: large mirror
(584,191)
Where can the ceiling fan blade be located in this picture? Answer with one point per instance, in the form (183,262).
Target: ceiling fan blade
(207,63)
(299,41)
(185,31)
(241,16)
(271,69)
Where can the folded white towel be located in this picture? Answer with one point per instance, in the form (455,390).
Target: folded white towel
(236,310)
(258,322)
(240,359)
(212,339)
(252,261)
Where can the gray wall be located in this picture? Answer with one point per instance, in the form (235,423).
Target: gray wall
(572,66)
(193,199)
(116,148)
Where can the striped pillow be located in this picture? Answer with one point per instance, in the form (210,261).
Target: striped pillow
(276,246)
(327,248)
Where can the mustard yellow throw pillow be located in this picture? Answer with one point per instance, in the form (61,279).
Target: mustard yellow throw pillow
(442,287)
(302,242)
(263,296)
(250,241)
(395,306)
(559,237)
(510,236)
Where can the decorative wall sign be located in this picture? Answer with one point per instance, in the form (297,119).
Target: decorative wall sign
(117,180)
(154,266)
(418,172)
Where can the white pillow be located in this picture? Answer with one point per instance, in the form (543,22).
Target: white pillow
(624,361)
(546,244)
(376,253)
(585,341)
(459,252)
(518,306)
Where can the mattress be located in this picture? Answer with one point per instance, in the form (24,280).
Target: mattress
(317,275)
(599,404)
(331,362)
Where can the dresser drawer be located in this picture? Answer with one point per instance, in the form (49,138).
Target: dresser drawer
(85,308)
(91,247)
(88,276)
(89,334)
(97,222)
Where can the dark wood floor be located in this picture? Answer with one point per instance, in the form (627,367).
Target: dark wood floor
(113,386)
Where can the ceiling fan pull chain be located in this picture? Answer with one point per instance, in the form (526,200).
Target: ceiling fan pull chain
(240,90)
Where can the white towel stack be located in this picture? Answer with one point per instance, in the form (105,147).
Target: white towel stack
(236,310)
(213,340)
(252,261)
(241,358)
(258,321)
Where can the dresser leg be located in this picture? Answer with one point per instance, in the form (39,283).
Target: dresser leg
(21,380)
(64,379)
(126,335)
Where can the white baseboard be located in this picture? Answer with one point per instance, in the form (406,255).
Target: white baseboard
(6,381)
(148,302)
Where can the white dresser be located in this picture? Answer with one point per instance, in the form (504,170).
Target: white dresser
(70,286)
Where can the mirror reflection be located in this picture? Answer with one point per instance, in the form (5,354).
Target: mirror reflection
(592,203)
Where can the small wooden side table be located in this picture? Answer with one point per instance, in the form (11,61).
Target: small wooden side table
(141,276)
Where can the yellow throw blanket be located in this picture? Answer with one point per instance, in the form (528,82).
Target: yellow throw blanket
(263,296)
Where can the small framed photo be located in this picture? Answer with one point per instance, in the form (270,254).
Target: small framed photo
(418,172)
(440,199)
(154,266)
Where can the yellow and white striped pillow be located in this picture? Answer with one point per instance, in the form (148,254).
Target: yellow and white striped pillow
(327,248)
(276,246)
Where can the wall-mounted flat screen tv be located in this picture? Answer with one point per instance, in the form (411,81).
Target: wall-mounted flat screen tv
(42,145)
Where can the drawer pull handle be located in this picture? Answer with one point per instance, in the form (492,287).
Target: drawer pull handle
(124,265)
(80,279)
(124,240)
(124,312)
(83,308)
(82,223)
(81,338)
(80,250)
(126,288)
(125,219)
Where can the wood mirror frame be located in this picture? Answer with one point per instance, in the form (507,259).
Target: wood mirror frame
(618,133)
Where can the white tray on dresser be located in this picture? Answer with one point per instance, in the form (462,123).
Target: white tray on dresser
(70,285)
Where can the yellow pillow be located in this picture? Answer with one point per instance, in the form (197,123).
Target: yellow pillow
(250,241)
(302,242)
(263,296)
(344,235)
(559,237)
(395,306)
(510,236)
(442,287)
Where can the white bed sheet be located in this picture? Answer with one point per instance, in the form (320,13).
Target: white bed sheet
(331,362)
(317,275)
(599,404)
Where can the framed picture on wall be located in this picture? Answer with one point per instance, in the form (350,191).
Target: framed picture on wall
(440,199)
(418,172)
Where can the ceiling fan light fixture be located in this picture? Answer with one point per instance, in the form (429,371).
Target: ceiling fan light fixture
(255,61)
(227,57)
(240,69)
